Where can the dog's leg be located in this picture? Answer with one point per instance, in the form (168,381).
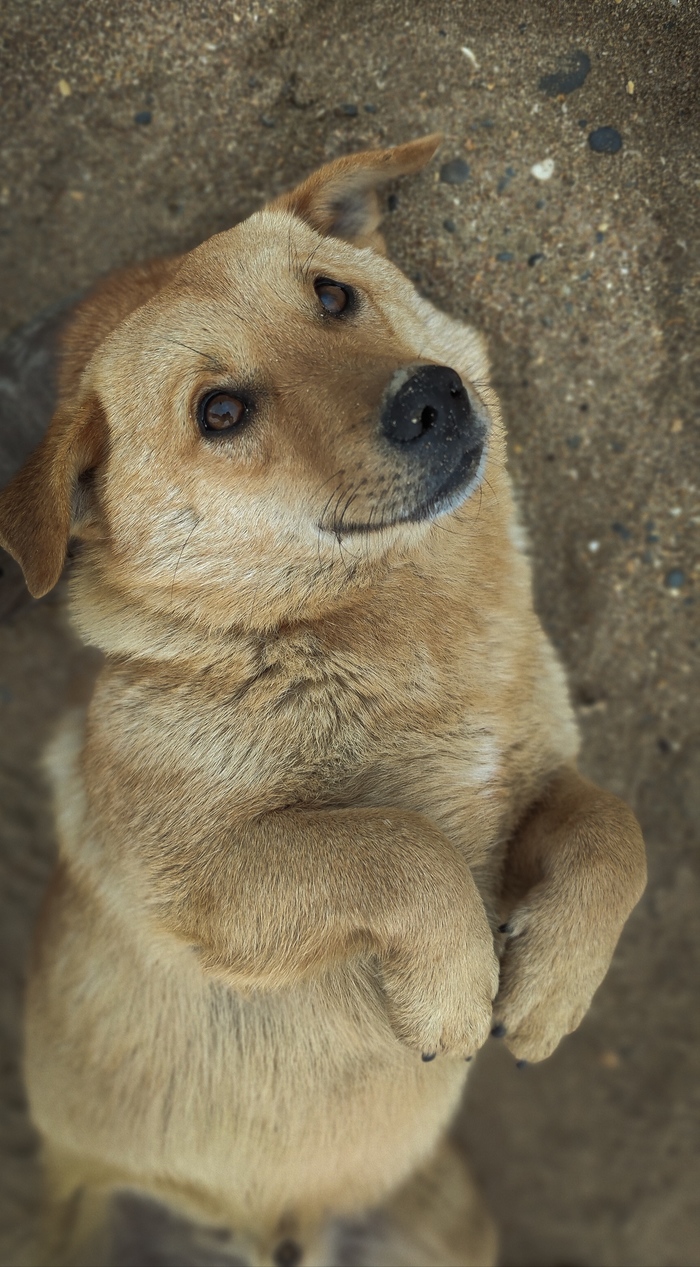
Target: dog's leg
(437,1219)
(288,894)
(575,870)
(103,1224)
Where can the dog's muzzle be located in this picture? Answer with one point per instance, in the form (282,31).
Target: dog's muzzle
(428,417)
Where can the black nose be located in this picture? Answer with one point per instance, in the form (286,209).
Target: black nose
(428,404)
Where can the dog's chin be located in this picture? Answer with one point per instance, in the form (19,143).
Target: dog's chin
(457,488)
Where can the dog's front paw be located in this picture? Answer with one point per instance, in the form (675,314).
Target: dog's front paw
(551,967)
(443,1003)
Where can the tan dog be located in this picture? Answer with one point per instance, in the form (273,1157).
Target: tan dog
(326,779)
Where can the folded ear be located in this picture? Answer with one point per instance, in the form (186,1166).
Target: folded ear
(340,199)
(37,506)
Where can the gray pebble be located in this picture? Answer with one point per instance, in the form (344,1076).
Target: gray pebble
(449,225)
(605,141)
(675,579)
(504,257)
(455,172)
(569,76)
(349,109)
(143,117)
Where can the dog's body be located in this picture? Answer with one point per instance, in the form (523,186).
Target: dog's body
(330,752)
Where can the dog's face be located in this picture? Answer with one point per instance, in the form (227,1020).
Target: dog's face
(282,415)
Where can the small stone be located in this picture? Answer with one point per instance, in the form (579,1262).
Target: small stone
(676,426)
(594,546)
(369,108)
(505,180)
(449,225)
(622,531)
(600,236)
(605,141)
(143,117)
(630,87)
(543,170)
(505,257)
(610,1060)
(583,123)
(574,442)
(535,259)
(64,88)
(349,109)
(568,77)
(675,579)
(455,172)
(266,121)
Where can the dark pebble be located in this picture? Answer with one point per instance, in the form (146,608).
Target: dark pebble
(504,257)
(369,108)
(455,172)
(266,121)
(618,446)
(675,579)
(622,531)
(605,141)
(540,204)
(573,441)
(450,226)
(428,1056)
(652,538)
(583,123)
(392,202)
(143,117)
(349,109)
(505,180)
(569,76)
(585,275)
(600,236)
(498,1031)
(664,746)
(583,407)
(535,259)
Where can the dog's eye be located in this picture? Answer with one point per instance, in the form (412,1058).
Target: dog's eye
(334,297)
(221,412)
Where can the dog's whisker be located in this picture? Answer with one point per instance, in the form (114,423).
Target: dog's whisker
(179,560)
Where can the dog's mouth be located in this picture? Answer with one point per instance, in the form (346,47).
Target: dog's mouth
(455,489)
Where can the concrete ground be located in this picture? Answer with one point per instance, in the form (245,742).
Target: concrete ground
(137,128)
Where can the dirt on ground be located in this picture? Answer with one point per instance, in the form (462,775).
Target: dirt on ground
(561,219)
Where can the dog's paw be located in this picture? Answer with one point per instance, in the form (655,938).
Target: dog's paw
(443,1003)
(550,971)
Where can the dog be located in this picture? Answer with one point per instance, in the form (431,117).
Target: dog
(320,826)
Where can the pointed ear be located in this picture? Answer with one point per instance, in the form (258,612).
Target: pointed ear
(340,199)
(36,508)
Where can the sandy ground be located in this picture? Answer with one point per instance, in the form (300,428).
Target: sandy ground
(132,129)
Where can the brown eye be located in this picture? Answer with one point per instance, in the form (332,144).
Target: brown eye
(221,412)
(335,298)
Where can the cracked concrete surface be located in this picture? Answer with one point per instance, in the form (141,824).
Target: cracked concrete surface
(139,128)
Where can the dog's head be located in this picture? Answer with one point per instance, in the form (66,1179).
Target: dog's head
(269,425)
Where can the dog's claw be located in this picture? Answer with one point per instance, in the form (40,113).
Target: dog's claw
(498,1031)
(428,1055)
